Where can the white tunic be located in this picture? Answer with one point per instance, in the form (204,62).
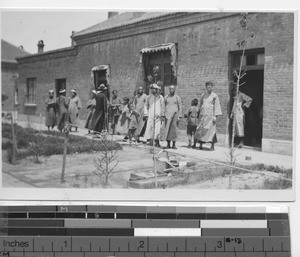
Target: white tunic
(154,103)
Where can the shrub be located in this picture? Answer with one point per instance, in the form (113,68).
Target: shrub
(6,144)
(22,143)
(277,184)
(48,143)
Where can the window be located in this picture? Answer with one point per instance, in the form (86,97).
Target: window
(30,90)
(163,61)
(59,85)
(165,57)
(250,59)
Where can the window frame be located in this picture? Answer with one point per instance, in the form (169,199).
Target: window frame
(161,58)
(31,84)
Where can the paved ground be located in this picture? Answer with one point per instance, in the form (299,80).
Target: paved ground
(28,176)
(220,153)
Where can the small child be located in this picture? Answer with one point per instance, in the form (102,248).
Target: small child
(192,116)
(133,124)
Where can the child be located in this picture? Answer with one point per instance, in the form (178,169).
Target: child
(123,122)
(133,123)
(192,120)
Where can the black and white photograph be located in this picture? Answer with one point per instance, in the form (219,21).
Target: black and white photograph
(175,102)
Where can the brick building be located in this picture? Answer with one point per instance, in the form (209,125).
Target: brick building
(9,73)
(191,48)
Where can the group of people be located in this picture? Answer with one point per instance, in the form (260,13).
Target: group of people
(61,110)
(153,117)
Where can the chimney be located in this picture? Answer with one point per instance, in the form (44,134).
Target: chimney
(73,43)
(112,14)
(40,46)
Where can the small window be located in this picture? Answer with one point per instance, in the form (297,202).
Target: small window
(260,59)
(251,59)
(30,90)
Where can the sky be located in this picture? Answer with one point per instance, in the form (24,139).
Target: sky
(26,28)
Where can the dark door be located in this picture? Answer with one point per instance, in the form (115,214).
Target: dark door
(100,77)
(59,85)
(253,64)
(253,115)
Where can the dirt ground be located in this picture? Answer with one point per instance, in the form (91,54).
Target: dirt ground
(80,170)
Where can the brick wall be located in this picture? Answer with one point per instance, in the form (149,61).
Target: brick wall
(203,50)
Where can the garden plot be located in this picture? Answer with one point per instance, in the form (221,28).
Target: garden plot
(41,166)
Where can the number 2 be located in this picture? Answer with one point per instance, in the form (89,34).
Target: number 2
(141,244)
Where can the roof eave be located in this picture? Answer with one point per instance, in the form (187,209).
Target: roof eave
(74,36)
(46,53)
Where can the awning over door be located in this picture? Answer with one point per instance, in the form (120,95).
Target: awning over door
(157,48)
(102,67)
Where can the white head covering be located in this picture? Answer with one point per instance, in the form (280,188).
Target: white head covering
(154,85)
(102,86)
(94,91)
(51,91)
(62,91)
(74,91)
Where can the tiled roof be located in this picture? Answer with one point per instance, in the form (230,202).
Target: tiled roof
(121,20)
(9,52)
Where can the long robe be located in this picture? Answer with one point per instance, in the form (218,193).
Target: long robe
(242,101)
(50,112)
(154,120)
(139,105)
(123,122)
(99,118)
(74,107)
(114,110)
(209,107)
(62,106)
(173,111)
(89,121)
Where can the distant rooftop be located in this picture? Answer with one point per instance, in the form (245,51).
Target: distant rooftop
(121,20)
(9,52)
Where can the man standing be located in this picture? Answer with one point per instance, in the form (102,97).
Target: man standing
(99,117)
(210,109)
(138,106)
(243,101)
(154,113)
(115,103)
(173,114)
(62,106)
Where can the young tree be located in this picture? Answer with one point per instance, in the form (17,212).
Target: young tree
(238,74)
(106,162)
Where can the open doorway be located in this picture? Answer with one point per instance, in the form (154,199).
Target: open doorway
(253,64)
(101,74)
(59,85)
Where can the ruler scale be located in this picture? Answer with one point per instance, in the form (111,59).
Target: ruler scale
(143,231)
